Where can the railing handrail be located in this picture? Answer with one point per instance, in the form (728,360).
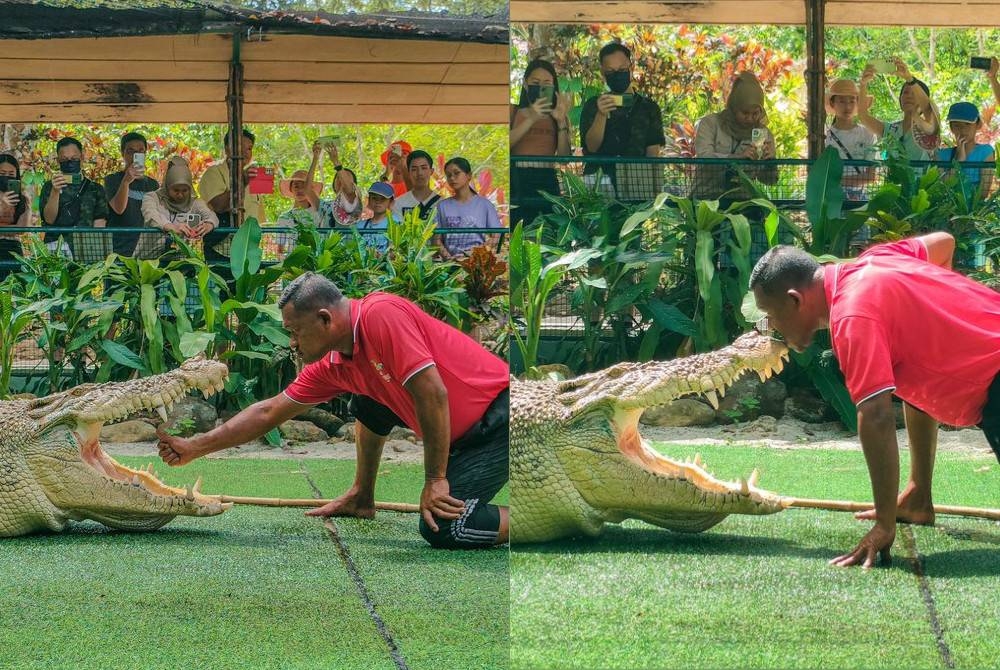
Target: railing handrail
(685,160)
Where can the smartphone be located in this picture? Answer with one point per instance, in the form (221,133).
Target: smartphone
(397,150)
(14,186)
(545,91)
(980,63)
(757,137)
(75,178)
(139,159)
(883,66)
(328,140)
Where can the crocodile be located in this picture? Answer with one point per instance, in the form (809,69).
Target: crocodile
(53,469)
(578,460)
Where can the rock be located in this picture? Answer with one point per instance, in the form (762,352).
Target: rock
(681,412)
(328,421)
(556,371)
(401,433)
(748,399)
(135,430)
(762,425)
(346,433)
(191,415)
(806,408)
(302,431)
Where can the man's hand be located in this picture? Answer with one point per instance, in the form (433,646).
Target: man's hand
(60,181)
(176,450)
(351,503)
(435,501)
(606,104)
(133,173)
(877,541)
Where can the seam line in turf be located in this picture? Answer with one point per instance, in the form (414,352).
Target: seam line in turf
(359,581)
(923,584)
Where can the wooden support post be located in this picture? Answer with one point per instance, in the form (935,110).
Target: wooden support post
(815,70)
(234,103)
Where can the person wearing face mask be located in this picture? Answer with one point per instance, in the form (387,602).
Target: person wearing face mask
(619,122)
(14,213)
(71,200)
(539,126)
(169,209)
(964,122)
(919,131)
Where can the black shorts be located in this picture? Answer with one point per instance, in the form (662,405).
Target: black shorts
(991,416)
(478,461)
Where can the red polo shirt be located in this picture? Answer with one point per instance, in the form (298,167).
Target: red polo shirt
(903,324)
(393,340)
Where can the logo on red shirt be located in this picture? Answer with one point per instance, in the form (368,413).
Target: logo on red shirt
(380,369)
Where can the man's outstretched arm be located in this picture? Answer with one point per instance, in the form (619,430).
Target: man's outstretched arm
(940,248)
(248,425)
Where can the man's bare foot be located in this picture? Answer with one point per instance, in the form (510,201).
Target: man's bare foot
(342,507)
(911,507)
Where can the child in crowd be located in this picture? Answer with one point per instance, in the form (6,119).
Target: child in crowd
(919,130)
(852,141)
(380,197)
(964,122)
(466,209)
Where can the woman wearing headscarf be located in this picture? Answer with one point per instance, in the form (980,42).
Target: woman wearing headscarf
(173,208)
(739,132)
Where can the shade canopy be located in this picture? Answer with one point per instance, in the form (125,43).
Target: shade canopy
(125,63)
(939,13)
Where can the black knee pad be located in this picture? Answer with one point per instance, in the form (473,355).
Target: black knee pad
(476,528)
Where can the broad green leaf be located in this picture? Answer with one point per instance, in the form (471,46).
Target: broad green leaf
(668,317)
(824,195)
(122,355)
(245,253)
(194,343)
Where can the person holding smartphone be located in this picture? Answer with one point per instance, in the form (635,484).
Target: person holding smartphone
(14,212)
(71,200)
(539,126)
(173,208)
(965,122)
(125,190)
(991,74)
(620,122)
(919,131)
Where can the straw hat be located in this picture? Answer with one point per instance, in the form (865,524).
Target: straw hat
(285,185)
(845,87)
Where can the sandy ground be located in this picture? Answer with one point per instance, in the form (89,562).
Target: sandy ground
(785,434)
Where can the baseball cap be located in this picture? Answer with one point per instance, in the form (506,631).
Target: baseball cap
(382,189)
(965,112)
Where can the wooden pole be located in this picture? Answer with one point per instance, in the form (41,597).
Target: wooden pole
(234,102)
(310,502)
(815,70)
(849,506)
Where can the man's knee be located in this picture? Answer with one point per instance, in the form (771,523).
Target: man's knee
(478,527)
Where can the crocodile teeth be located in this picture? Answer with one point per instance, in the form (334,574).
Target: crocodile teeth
(780,365)
(197,486)
(744,487)
(162,411)
(713,399)
(189,493)
(135,480)
(754,476)
(722,390)
(697,460)
(763,377)
(149,468)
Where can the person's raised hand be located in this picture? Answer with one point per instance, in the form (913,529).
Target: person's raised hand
(606,104)
(876,542)
(902,71)
(317,149)
(563,104)
(333,154)
(10,198)
(350,503)
(60,181)
(436,501)
(994,68)
(868,74)
(175,450)
(539,108)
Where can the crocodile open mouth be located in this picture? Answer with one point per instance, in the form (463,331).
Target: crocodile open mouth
(637,449)
(143,483)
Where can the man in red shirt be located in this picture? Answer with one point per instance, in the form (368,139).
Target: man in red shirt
(404,367)
(901,322)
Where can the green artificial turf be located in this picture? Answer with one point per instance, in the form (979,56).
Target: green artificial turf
(252,588)
(756,592)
